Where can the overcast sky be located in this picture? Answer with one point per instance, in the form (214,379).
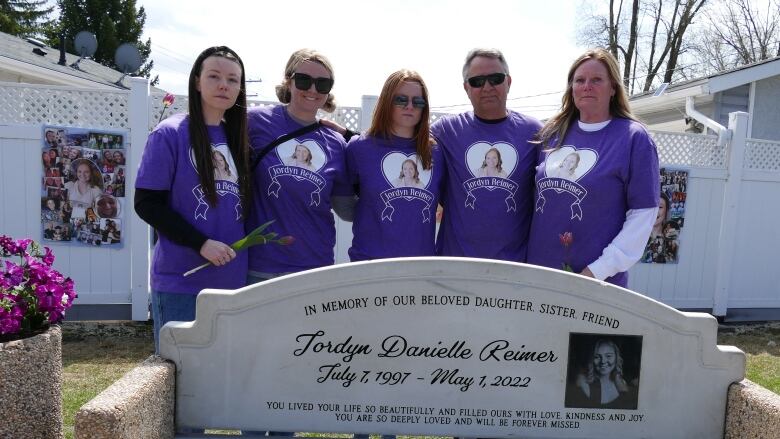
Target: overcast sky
(367,40)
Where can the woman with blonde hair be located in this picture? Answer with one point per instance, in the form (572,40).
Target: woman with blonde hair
(609,211)
(299,203)
(391,221)
(603,385)
(301,157)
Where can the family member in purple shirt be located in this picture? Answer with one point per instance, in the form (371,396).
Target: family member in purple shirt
(597,185)
(294,181)
(490,162)
(398,173)
(197,215)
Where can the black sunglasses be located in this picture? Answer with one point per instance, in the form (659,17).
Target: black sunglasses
(493,78)
(403,100)
(304,81)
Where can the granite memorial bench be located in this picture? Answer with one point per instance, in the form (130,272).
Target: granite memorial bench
(443,347)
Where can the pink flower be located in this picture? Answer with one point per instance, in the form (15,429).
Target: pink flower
(11,314)
(286,240)
(12,275)
(5,244)
(566,238)
(168,100)
(48,258)
(33,295)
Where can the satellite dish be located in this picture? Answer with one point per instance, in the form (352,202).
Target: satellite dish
(127,59)
(86,45)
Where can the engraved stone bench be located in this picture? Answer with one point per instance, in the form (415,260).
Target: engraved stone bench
(437,346)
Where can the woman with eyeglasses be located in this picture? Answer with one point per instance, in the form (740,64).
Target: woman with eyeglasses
(608,206)
(395,213)
(296,179)
(176,189)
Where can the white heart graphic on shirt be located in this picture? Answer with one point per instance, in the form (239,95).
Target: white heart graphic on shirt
(393,169)
(307,154)
(491,160)
(570,163)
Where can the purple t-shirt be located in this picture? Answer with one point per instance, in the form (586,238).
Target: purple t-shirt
(586,187)
(169,164)
(396,211)
(487,200)
(293,185)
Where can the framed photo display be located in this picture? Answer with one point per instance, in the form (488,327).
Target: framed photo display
(83,185)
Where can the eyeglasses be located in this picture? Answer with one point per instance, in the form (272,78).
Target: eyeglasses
(493,78)
(403,100)
(304,81)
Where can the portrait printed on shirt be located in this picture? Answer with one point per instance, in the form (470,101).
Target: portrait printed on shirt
(301,161)
(491,165)
(563,168)
(225,181)
(408,182)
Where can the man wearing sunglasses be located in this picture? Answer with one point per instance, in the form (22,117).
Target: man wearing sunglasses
(487,216)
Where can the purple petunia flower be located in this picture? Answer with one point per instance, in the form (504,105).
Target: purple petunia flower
(13,275)
(32,293)
(48,258)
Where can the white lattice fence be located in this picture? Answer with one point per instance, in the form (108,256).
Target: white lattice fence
(32,105)
(436,116)
(683,149)
(762,155)
(348,117)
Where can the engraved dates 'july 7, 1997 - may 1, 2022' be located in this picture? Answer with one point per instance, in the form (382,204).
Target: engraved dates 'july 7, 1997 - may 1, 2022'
(396,346)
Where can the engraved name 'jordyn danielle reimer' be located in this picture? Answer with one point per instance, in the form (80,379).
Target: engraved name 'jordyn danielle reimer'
(395,346)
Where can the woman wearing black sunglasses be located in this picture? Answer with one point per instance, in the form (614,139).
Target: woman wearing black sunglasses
(395,212)
(295,179)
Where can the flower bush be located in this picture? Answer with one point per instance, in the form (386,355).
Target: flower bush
(33,295)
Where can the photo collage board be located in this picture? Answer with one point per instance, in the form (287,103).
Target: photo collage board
(663,246)
(83,186)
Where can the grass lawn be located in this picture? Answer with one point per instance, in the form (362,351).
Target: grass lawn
(90,364)
(761,344)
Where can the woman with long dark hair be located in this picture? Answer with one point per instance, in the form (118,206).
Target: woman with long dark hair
(395,215)
(177,192)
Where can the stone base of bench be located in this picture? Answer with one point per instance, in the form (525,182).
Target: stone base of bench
(141,406)
(752,412)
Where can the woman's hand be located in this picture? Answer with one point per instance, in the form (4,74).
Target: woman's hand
(218,253)
(334,126)
(586,272)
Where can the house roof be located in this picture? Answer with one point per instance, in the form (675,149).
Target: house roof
(706,86)
(26,58)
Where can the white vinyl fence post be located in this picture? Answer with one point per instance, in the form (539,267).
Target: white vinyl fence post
(367,105)
(738,124)
(139,230)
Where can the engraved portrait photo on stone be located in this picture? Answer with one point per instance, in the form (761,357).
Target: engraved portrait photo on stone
(603,371)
